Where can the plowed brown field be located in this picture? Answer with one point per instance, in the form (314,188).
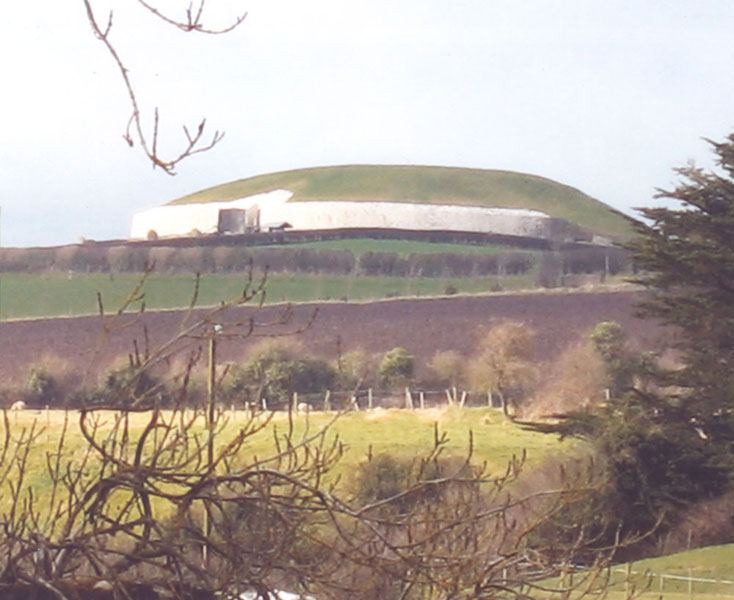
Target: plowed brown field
(421,326)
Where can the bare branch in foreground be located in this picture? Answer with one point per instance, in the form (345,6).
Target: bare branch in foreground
(196,141)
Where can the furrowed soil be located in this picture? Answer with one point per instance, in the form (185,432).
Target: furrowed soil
(88,346)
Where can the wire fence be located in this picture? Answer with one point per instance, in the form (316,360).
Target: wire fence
(370,399)
(677,585)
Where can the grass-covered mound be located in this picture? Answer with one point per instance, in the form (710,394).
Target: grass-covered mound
(432,185)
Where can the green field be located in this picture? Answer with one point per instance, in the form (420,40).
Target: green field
(403,247)
(59,294)
(405,433)
(703,573)
(432,185)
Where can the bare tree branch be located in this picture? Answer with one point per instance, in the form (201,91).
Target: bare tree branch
(196,142)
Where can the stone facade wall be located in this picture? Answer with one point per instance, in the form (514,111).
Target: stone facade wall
(274,208)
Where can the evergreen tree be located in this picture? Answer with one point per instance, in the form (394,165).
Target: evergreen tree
(662,450)
(686,257)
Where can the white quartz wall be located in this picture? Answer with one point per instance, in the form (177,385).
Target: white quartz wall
(274,208)
(331,215)
(182,219)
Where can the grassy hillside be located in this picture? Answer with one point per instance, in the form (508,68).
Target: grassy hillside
(25,296)
(435,185)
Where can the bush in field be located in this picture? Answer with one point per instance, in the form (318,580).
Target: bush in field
(448,368)
(51,382)
(276,370)
(123,387)
(42,387)
(504,364)
(396,368)
(402,482)
(356,369)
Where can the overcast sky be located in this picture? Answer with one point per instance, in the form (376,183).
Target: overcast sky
(606,96)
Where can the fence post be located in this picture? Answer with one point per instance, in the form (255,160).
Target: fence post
(327,400)
(294,408)
(369,398)
(408,399)
(355,403)
(690,583)
(423,400)
(265,403)
(448,395)
(463,399)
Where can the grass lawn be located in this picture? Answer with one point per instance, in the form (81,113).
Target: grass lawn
(60,294)
(700,574)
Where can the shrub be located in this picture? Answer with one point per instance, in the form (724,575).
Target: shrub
(356,369)
(124,387)
(404,482)
(42,387)
(276,370)
(396,368)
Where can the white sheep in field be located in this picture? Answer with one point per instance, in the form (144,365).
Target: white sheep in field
(303,407)
(18,405)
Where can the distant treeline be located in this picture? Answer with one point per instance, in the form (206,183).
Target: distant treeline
(563,233)
(135,258)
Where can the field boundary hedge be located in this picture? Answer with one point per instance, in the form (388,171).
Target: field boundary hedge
(228,254)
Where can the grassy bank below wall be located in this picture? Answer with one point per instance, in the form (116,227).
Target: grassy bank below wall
(58,294)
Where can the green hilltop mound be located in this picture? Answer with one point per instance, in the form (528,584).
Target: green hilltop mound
(429,185)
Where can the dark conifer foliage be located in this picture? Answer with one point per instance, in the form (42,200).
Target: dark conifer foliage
(686,257)
(664,440)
